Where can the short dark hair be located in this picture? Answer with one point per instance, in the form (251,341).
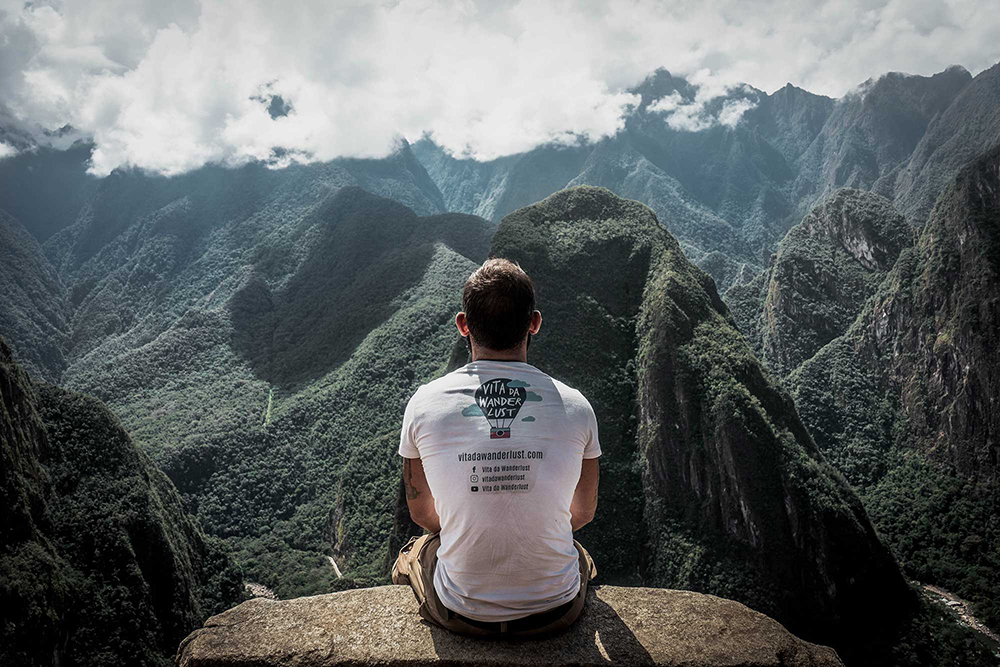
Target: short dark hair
(498,300)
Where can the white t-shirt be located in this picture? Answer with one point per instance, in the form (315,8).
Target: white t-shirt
(502,446)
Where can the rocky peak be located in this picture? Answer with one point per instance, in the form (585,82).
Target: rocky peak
(937,321)
(825,269)
(707,468)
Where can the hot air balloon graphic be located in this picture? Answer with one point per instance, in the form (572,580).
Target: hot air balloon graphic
(500,402)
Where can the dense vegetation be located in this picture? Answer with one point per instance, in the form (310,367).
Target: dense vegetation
(898,402)
(304,329)
(34,309)
(258,332)
(729,194)
(825,269)
(100,564)
(734,496)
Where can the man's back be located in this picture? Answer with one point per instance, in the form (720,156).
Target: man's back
(502,444)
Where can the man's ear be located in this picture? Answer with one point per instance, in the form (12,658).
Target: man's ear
(463,326)
(536,322)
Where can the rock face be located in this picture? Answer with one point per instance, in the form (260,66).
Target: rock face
(969,125)
(710,481)
(928,337)
(874,128)
(825,269)
(938,321)
(99,562)
(380,626)
(904,402)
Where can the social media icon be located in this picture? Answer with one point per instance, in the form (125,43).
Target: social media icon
(475,488)
(474,478)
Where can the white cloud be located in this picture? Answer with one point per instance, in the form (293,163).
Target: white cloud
(6,151)
(168,86)
(692,116)
(733,110)
(667,103)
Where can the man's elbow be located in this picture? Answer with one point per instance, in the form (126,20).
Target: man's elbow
(419,517)
(418,513)
(425,517)
(582,516)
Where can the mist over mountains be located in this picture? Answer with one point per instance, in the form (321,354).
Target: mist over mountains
(781,305)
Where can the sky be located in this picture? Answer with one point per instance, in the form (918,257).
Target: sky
(170,85)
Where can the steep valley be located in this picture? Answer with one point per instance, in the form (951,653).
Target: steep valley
(786,326)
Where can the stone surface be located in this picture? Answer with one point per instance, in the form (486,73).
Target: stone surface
(380,626)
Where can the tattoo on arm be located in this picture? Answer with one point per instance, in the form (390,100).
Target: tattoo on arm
(411,492)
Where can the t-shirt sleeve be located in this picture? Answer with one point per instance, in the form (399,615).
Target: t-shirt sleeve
(407,443)
(593,447)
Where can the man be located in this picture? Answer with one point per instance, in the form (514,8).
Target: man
(500,467)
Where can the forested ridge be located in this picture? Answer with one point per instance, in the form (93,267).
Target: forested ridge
(100,562)
(775,327)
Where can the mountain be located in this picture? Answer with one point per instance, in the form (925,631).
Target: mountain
(901,401)
(968,126)
(35,309)
(45,187)
(825,269)
(99,562)
(710,480)
(731,176)
(218,195)
(257,332)
(873,130)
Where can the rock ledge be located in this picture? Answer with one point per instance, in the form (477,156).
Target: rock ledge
(380,626)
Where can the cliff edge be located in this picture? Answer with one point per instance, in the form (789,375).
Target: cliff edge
(380,626)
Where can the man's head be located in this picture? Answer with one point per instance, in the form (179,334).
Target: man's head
(499,306)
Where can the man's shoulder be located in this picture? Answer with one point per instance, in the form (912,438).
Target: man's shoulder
(463,379)
(446,382)
(566,391)
(574,399)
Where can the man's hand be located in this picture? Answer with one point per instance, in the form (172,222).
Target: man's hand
(584,502)
(418,496)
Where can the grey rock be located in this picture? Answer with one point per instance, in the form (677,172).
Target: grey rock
(380,626)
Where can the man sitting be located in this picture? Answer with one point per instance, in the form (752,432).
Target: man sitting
(500,467)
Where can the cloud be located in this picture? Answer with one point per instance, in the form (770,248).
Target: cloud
(693,115)
(168,85)
(733,110)
(6,151)
(472,411)
(518,383)
(532,396)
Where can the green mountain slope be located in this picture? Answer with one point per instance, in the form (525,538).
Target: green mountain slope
(902,401)
(99,562)
(730,192)
(970,125)
(733,495)
(824,271)
(873,130)
(34,311)
(44,187)
(262,358)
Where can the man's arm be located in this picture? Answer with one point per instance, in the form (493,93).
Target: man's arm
(584,502)
(418,496)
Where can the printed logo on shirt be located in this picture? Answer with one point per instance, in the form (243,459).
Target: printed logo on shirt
(499,401)
(501,470)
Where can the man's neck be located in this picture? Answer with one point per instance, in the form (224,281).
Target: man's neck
(483,354)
